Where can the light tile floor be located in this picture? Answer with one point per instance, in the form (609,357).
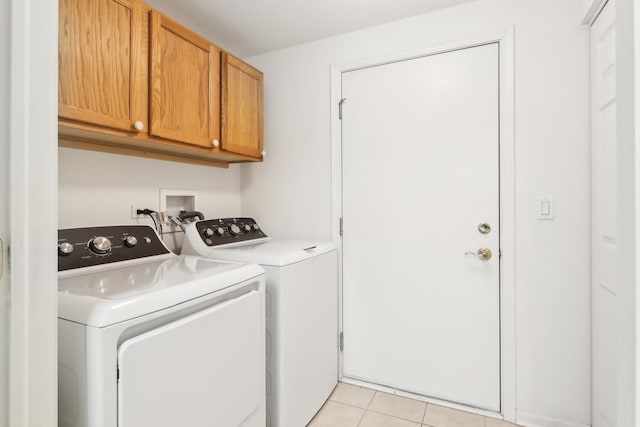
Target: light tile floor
(353,406)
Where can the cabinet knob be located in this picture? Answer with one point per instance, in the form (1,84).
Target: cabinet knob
(215,143)
(138,125)
(264,153)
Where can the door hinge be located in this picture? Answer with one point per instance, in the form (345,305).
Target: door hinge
(117,374)
(341,226)
(341,341)
(499,253)
(340,107)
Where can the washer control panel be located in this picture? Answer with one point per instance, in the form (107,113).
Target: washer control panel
(91,246)
(223,231)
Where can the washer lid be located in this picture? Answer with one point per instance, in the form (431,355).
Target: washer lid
(111,296)
(275,252)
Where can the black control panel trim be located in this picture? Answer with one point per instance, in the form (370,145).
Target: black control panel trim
(82,255)
(223,231)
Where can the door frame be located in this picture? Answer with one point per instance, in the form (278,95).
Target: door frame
(505,42)
(33,214)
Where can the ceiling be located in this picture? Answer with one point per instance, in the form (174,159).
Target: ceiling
(251,27)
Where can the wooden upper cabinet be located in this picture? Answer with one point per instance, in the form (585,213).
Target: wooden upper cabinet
(242,107)
(133,81)
(98,43)
(184,84)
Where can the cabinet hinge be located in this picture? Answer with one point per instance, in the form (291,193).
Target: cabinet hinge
(341,343)
(341,226)
(340,107)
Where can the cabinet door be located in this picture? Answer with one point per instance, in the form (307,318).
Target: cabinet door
(242,107)
(184,86)
(98,46)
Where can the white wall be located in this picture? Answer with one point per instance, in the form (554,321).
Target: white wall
(290,194)
(87,198)
(4,209)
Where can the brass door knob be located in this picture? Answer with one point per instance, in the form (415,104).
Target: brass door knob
(483,253)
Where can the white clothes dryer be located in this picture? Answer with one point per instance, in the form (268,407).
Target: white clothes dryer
(149,338)
(301,311)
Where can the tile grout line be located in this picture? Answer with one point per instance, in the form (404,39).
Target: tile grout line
(367,408)
(361,417)
(424,416)
(371,401)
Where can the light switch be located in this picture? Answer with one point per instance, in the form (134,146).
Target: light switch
(545,208)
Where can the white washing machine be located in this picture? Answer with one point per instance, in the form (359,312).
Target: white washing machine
(301,310)
(149,338)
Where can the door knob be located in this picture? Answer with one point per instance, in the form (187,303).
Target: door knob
(483,253)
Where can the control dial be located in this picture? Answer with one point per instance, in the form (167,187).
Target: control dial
(130,241)
(255,227)
(234,229)
(208,232)
(65,248)
(100,245)
(219,231)
(247,227)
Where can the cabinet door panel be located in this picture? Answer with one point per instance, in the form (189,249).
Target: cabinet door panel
(242,107)
(184,95)
(96,40)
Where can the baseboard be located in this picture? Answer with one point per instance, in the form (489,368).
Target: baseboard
(532,420)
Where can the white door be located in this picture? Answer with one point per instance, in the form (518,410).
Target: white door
(604,225)
(205,369)
(420,181)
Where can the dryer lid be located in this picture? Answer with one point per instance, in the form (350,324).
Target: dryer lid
(105,297)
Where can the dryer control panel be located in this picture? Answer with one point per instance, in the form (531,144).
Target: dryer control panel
(91,246)
(225,231)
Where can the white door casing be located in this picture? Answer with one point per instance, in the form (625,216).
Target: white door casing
(507,186)
(4,211)
(421,309)
(33,166)
(604,196)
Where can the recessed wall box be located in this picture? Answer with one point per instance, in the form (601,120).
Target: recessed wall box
(174,201)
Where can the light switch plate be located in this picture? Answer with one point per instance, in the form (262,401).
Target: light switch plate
(546,208)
